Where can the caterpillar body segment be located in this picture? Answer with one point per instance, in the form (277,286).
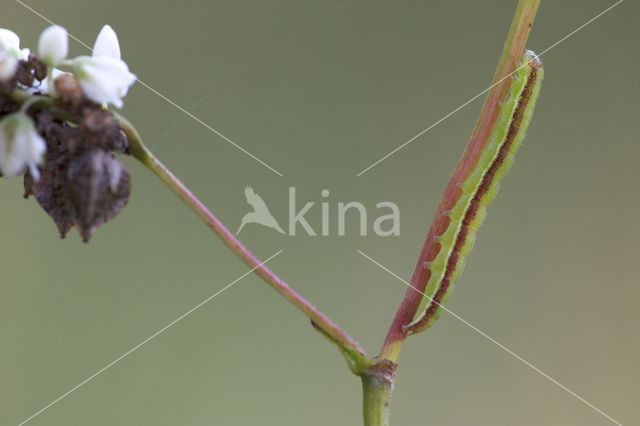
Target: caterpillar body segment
(477,191)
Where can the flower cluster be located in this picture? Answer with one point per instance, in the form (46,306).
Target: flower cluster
(56,129)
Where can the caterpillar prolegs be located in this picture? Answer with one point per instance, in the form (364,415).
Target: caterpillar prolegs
(475,193)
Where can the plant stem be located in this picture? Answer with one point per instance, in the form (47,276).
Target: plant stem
(349,347)
(511,55)
(33,100)
(376,396)
(377,385)
(377,374)
(26,100)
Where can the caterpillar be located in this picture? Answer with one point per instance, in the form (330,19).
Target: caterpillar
(445,262)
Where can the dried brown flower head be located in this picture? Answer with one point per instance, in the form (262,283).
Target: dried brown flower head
(81,182)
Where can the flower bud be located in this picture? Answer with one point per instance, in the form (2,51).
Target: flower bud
(21,146)
(107,43)
(53,45)
(9,41)
(8,66)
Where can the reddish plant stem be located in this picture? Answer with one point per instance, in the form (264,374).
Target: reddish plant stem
(328,328)
(511,55)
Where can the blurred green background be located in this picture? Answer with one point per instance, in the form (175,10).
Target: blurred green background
(319,90)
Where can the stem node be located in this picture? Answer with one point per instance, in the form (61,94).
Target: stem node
(377,386)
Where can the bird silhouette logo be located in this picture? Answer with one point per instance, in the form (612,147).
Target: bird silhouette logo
(260,214)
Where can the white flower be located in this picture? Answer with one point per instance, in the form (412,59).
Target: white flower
(21,146)
(8,65)
(107,43)
(104,77)
(10,42)
(53,45)
(23,54)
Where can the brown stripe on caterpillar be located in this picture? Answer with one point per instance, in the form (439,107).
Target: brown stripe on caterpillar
(471,211)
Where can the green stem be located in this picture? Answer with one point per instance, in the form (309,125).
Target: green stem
(376,397)
(50,82)
(26,100)
(377,385)
(352,351)
(32,100)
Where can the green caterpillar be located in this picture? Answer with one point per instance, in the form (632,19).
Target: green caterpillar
(476,192)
